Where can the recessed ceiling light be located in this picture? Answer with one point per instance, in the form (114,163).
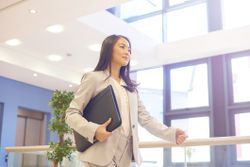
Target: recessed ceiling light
(13,42)
(133,62)
(54,57)
(34,74)
(55,28)
(32,11)
(95,47)
(70,85)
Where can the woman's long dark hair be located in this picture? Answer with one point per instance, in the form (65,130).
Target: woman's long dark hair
(106,57)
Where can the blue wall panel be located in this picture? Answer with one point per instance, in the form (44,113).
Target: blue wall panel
(14,94)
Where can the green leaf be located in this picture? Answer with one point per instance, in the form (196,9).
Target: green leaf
(60,102)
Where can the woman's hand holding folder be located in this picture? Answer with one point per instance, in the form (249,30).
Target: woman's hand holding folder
(101,133)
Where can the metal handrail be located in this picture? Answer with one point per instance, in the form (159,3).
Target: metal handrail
(198,142)
(155,144)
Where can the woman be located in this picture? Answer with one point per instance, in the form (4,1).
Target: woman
(119,147)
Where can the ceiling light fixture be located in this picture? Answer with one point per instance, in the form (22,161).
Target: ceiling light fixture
(34,74)
(13,42)
(55,28)
(70,85)
(95,47)
(55,57)
(32,11)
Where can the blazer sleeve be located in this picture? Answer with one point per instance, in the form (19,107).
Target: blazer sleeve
(82,96)
(152,125)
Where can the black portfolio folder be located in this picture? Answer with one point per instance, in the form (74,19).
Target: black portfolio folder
(100,108)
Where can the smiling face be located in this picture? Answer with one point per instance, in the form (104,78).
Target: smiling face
(121,53)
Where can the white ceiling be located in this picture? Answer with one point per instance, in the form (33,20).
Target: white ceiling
(84,24)
(88,23)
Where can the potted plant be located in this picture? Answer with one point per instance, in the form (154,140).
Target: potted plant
(63,148)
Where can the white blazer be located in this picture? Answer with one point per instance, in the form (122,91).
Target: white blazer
(101,153)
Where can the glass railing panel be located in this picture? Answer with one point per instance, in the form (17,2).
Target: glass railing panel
(29,159)
(190,154)
(243,152)
(211,152)
(200,156)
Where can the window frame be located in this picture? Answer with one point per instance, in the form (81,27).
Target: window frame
(166,72)
(193,112)
(229,58)
(234,108)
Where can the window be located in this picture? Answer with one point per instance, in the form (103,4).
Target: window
(145,26)
(241,79)
(151,93)
(187,22)
(189,86)
(242,129)
(196,128)
(139,7)
(177,2)
(239,103)
(235,13)
(181,19)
